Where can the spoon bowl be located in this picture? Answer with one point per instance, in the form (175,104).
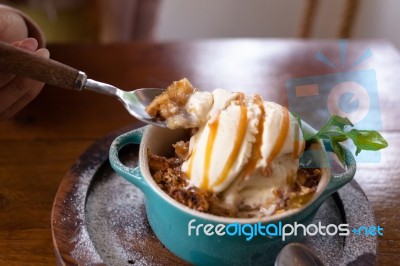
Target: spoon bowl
(135,102)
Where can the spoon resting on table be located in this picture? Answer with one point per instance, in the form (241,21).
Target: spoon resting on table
(17,61)
(297,254)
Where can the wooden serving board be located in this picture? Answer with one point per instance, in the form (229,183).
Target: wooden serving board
(99,218)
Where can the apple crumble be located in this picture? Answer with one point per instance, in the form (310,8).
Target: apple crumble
(169,177)
(241,158)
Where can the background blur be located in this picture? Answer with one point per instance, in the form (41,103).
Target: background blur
(166,20)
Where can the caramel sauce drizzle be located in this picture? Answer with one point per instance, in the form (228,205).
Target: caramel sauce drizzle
(208,153)
(282,136)
(256,149)
(240,98)
(296,142)
(190,166)
(303,146)
(291,179)
(241,133)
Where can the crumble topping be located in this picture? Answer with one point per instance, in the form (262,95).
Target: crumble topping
(169,177)
(172,101)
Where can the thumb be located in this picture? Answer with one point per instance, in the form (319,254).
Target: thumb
(12,26)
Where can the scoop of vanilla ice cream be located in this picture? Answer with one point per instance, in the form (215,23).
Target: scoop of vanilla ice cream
(244,148)
(282,143)
(223,145)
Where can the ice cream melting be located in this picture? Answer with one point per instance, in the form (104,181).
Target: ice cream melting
(245,148)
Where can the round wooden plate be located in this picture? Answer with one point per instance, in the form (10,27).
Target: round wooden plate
(98,218)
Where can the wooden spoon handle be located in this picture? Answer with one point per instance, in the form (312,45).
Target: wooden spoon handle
(23,63)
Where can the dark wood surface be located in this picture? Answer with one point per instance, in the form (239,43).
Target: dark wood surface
(87,201)
(39,145)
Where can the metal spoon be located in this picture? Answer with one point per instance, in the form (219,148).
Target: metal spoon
(20,62)
(297,254)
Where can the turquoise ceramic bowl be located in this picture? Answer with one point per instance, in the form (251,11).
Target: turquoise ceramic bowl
(170,220)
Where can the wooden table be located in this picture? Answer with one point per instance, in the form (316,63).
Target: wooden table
(39,145)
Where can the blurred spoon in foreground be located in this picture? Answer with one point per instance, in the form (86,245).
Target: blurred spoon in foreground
(23,63)
(296,254)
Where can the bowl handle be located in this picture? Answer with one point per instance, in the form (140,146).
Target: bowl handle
(133,175)
(339,180)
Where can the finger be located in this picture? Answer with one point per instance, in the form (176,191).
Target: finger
(5,78)
(29,44)
(33,89)
(43,52)
(14,90)
(12,26)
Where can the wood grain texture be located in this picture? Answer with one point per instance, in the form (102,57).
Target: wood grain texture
(74,234)
(100,218)
(21,62)
(39,145)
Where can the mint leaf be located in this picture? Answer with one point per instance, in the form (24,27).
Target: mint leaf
(297,116)
(335,123)
(335,131)
(341,122)
(338,150)
(367,140)
(339,138)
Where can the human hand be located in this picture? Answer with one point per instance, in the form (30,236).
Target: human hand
(15,91)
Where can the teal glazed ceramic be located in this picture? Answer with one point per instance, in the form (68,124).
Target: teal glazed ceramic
(170,220)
